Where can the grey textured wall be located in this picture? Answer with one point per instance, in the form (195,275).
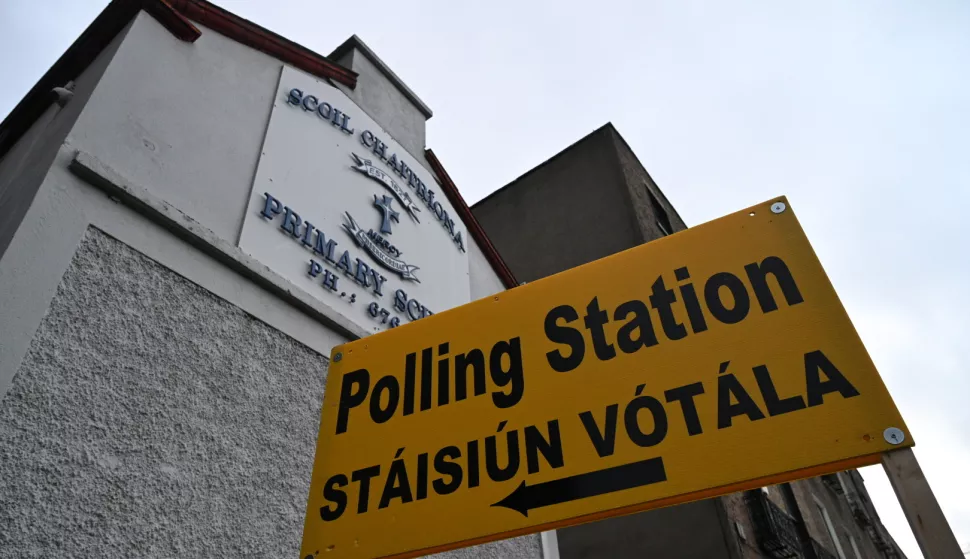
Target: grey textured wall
(153,419)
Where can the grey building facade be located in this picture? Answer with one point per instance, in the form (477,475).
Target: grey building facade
(595,199)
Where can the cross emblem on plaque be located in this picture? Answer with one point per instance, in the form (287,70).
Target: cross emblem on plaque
(387,213)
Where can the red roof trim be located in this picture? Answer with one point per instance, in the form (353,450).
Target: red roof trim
(176,23)
(474,228)
(261,39)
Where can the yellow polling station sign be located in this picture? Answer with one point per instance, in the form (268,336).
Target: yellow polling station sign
(717,359)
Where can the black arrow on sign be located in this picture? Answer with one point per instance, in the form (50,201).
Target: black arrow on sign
(528,497)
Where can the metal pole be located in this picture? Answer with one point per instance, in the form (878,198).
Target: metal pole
(932,531)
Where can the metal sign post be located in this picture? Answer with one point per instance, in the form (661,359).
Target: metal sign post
(932,531)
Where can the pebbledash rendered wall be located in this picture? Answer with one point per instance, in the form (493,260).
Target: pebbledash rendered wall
(161,389)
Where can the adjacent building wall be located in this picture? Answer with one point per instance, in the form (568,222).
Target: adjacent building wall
(813,494)
(644,193)
(573,209)
(741,525)
(690,531)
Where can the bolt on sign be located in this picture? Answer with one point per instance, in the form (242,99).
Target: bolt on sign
(713,360)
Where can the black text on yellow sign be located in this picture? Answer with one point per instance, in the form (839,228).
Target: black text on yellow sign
(713,360)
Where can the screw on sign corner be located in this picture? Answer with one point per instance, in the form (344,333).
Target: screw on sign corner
(778,207)
(338,357)
(894,435)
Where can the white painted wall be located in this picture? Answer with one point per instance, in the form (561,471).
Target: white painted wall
(185,120)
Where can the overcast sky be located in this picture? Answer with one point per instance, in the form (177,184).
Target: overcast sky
(858,111)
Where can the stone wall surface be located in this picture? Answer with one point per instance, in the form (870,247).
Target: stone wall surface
(150,418)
